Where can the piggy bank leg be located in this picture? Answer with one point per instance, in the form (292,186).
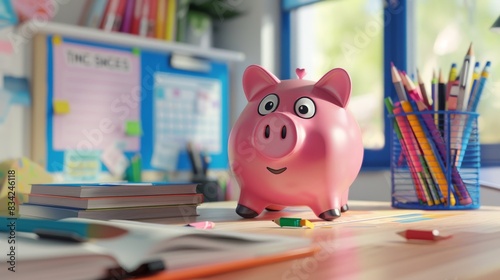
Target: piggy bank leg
(327,210)
(249,206)
(330,215)
(345,196)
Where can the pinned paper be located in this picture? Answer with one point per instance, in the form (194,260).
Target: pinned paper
(5,104)
(19,88)
(165,156)
(82,166)
(133,128)
(8,16)
(6,47)
(61,107)
(114,159)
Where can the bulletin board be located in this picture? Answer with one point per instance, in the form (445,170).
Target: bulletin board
(103,98)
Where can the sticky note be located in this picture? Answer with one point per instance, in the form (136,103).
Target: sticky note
(61,107)
(133,128)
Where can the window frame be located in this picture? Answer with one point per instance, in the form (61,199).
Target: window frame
(398,37)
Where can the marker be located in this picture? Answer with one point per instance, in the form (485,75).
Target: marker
(428,235)
(293,222)
(202,225)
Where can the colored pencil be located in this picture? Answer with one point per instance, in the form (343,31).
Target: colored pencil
(434,89)
(423,91)
(427,235)
(424,186)
(441,101)
(398,83)
(458,183)
(451,79)
(464,79)
(434,163)
(472,107)
(410,154)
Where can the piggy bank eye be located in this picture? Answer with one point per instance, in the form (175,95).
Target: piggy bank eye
(268,104)
(305,108)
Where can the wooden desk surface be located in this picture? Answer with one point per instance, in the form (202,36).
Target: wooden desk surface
(363,243)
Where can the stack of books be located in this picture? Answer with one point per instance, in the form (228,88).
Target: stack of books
(112,201)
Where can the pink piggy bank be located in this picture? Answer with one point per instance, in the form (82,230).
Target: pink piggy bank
(295,143)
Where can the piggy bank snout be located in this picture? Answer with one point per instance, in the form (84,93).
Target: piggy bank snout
(275,135)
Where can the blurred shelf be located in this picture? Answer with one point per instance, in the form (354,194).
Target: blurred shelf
(129,40)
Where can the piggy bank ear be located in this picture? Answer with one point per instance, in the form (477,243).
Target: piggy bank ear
(337,84)
(255,79)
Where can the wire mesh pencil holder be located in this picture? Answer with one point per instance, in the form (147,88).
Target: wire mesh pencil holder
(435,160)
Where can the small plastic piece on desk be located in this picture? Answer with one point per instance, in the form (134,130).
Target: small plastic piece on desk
(202,225)
(293,222)
(428,235)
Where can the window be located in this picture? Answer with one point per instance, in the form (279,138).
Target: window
(443,31)
(351,34)
(352,39)
(364,36)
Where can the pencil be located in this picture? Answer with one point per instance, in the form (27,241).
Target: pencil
(441,101)
(457,102)
(410,154)
(451,79)
(427,235)
(293,222)
(458,183)
(476,95)
(434,89)
(398,83)
(434,163)
(473,103)
(464,79)
(414,157)
(475,77)
(423,91)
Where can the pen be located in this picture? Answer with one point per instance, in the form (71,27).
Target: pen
(428,235)
(293,222)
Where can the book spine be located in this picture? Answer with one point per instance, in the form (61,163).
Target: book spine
(128,16)
(137,16)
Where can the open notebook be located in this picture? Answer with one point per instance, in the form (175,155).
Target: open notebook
(177,248)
